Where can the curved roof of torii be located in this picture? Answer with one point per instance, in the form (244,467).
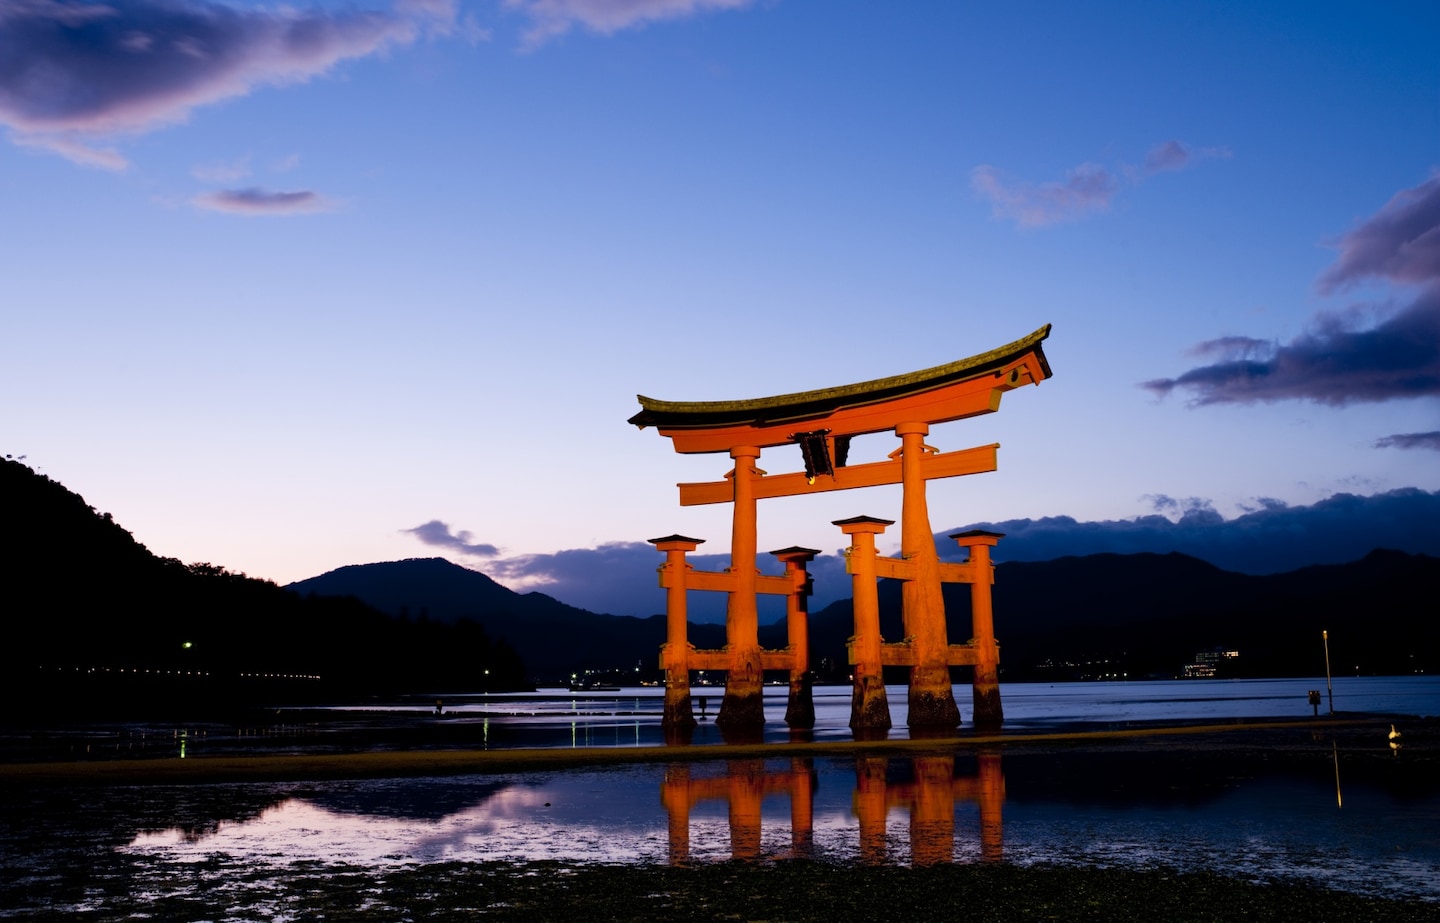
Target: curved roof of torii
(813,405)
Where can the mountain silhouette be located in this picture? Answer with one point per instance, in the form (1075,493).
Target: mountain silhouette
(95,621)
(87,608)
(1135,615)
(555,640)
(1146,615)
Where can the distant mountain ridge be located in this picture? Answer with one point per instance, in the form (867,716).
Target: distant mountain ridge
(554,639)
(1139,615)
(1071,618)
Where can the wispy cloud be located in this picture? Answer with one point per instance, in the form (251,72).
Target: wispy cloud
(285,164)
(263,202)
(1365,353)
(551,18)
(1400,243)
(438,533)
(85,155)
(1331,364)
(1429,441)
(1174,155)
(74,71)
(1086,189)
(227,172)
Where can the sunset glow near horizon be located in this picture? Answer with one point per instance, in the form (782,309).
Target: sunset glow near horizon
(289,288)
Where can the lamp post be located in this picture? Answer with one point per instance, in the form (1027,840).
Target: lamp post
(1329,690)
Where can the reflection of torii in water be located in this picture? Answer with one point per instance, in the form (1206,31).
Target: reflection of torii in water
(928,797)
(822,423)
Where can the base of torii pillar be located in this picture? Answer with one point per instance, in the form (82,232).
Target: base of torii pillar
(800,708)
(931,701)
(989,715)
(742,711)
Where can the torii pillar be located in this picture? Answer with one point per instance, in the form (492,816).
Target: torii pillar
(743,708)
(869,706)
(800,708)
(989,714)
(675,654)
(932,699)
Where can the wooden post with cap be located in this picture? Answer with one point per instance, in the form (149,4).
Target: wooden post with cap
(675,654)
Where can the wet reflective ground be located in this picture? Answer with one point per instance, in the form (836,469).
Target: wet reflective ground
(558,718)
(1241,803)
(1333,806)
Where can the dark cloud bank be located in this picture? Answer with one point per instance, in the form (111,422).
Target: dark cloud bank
(77,76)
(129,65)
(1365,353)
(620,577)
(1271,539)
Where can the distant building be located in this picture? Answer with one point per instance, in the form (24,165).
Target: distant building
(1207,664)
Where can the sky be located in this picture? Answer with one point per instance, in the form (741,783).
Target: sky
(291,287)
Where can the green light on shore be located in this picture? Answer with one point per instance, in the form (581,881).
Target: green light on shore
(186,645)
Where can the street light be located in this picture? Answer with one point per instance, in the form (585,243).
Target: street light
(1330,691)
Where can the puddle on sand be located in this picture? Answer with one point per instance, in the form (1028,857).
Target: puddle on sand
(249,849)
(896,810)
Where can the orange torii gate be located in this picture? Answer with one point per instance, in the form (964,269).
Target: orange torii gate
(822,423)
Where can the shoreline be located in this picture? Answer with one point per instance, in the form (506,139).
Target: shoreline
(1357,732)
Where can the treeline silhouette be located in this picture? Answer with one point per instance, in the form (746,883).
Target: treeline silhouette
(95,622)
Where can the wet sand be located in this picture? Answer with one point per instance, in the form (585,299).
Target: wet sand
(787,889)
(1348,733)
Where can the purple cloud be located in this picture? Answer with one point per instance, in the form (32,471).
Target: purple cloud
(1397,358)
(1270,539)
(551,18)
(1174,155)
(71,70)
(1429,441)
(262,202)
(1346,357)
(1085,189)
(438,533)
(1399,243)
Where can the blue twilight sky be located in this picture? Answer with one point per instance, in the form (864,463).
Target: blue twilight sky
(286,288)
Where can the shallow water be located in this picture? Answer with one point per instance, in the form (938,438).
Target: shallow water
(1258,804)
(631,717)
(1246,811)
(552,718)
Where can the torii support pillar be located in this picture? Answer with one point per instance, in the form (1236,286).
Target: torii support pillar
(989,714)
(743,708)
(800,709)
(932,698)
(675,655)
(869,707)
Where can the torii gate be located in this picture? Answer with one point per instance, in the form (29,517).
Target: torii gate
(822,423)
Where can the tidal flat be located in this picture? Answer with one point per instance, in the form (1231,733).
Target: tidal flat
(1274,821)
(752,891)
